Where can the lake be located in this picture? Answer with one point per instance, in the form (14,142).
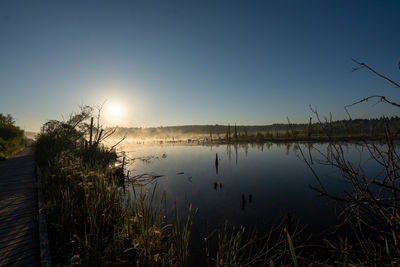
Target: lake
(255,185)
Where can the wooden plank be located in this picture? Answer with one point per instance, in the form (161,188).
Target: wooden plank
(24,259)
(10,240)
(19,179)
(16,198)
(11,235)
(22,239)
(19,205)
(7,226)
(17,223)
(17,189)
(13,213)
(14,210)
(17,249)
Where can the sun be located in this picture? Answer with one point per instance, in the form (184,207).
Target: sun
(115,112)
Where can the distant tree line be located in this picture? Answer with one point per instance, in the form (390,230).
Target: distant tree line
(369,128)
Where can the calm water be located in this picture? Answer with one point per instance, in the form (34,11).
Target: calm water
(271,179)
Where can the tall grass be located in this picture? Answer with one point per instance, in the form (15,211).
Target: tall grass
(181,236)
(92,219)
(229,244)
(84,211)
(146,226)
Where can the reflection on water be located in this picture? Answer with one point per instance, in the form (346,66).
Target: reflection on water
(216,163)
(244,184)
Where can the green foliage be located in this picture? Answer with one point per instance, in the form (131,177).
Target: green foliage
(291,247)
(259,137)
(229,244)
(82,197)
(146,230)
(60,136)
(11,137)
(6,120)
(181,236)
(83,210)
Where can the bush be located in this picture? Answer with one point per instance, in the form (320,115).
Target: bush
(11,137)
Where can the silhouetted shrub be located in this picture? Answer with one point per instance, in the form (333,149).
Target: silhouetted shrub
(11,136)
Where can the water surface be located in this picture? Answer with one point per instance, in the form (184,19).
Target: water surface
(254,184)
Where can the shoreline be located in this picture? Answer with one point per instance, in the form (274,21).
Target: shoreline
(264,141)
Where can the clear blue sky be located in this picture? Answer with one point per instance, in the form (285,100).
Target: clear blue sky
(196,62)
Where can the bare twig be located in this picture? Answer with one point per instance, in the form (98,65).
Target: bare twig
(363,65)
(381,99)
(116,144)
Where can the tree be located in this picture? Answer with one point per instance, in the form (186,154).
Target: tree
(6,120)
(371,205)
(11,136)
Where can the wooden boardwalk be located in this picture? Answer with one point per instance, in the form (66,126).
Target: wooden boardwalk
(19,232)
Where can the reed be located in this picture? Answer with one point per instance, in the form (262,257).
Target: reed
(181,232)
(229,244)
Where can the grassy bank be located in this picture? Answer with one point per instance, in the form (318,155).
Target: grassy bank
(89,222)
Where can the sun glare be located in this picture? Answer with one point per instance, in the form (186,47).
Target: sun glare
(115,112)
